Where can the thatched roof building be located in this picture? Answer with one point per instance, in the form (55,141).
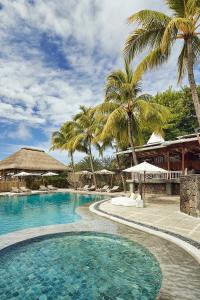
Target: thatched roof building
(32,160)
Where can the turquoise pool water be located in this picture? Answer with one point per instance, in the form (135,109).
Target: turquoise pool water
(79,266)
(22,212)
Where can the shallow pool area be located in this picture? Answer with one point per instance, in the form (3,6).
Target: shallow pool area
(79,266)
(21,212)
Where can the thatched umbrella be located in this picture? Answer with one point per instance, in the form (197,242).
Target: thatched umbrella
(106,172)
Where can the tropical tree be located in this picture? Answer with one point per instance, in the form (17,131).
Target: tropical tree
(127,112)
(84,135)
(158,32)
(60,139)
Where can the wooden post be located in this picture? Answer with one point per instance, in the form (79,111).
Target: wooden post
(183,160)
(168,161)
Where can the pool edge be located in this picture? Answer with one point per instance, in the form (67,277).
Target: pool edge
(170,236)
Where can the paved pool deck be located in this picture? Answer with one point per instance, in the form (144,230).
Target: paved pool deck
(161,213)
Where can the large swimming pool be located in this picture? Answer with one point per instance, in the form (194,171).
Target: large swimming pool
(79,266)
(22,212)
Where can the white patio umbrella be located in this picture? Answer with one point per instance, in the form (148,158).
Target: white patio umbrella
(144,168)
(22,174)
(49,174)
(105,172)
(84,172)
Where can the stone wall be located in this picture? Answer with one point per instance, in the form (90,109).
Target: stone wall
(170,188)
(190,195)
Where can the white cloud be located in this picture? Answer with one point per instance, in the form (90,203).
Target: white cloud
(22,132)
(89,34)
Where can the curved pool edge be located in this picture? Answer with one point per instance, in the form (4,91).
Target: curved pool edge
(192,249)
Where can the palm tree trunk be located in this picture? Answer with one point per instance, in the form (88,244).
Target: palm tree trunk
(121,173)
(92,166)
(130,133)
(73,168)
(193,87)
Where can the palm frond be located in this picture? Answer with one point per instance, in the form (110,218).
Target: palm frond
(153,60)
(140,39)
(178,24)
(177,6)
(182,63)
(149,18)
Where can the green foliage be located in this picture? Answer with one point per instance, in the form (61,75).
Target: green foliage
(183,118)
(108,163)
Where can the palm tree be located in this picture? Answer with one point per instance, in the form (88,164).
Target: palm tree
(84,135)
(126,111)
(159,32)
(60,140)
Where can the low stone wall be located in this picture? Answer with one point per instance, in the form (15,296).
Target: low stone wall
(170,188)
(190,195)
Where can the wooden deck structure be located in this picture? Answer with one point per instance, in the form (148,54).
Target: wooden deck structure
(179,157)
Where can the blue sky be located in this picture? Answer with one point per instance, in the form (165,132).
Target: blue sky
(55,56)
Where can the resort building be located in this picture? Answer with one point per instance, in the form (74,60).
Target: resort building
(30,160)
(179,157)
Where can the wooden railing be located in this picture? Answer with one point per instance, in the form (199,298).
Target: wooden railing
(169,176)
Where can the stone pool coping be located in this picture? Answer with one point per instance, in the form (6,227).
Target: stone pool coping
(189,245)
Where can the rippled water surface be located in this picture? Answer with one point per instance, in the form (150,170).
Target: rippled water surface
(82,266)
(22,212)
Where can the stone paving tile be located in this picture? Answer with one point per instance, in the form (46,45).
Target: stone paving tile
(165,215)
(195,235)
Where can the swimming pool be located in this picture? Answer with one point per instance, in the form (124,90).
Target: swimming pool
(79,266)
(22,212)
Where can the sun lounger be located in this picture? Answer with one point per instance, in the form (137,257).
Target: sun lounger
(15,190)
(123,201)
(133,196)
(92,188)
(43,188)
(51,187)
(24,189)
(103,189)
(85,188)
(114,189)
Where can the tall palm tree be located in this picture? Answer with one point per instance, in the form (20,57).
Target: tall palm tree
(126,111)
(158,32)
(60,140)
(84,134)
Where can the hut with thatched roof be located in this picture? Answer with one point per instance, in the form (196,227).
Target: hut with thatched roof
(30,159)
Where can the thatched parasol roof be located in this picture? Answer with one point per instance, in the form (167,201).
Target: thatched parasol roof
(31,159)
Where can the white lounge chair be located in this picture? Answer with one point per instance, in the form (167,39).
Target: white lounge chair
(24,189)
(43,188)
(114,189)
(85,188)
(15,190)
(123,201)
(51,187)
(92,188)
(103,189)
(133,196)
